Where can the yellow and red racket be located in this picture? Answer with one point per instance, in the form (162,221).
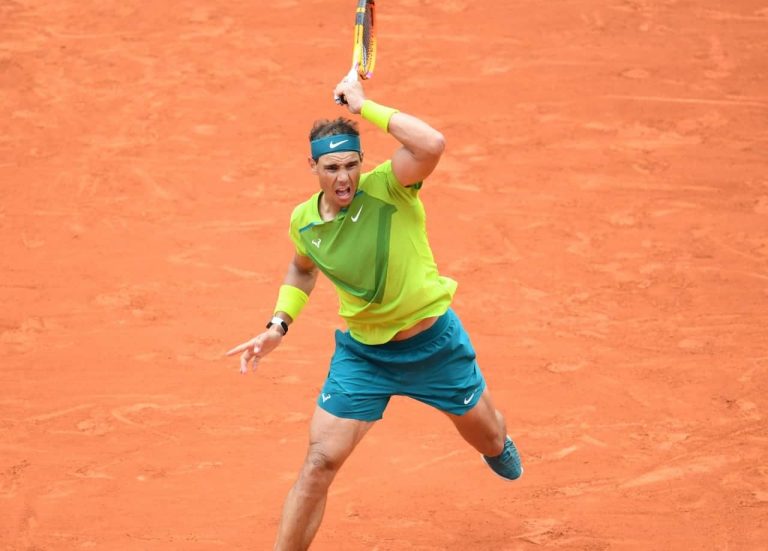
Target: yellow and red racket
(364,50)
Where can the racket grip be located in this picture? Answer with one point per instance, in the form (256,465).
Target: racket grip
(351,75)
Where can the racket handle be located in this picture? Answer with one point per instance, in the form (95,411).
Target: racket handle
(351,75)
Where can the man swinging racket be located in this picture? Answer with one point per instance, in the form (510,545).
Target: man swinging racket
(366,232)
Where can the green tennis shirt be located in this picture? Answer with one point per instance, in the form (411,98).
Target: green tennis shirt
(377,255)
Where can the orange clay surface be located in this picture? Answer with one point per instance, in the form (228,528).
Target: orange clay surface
(603,203)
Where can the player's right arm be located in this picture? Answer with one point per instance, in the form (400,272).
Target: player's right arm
(421,145)
(301,275)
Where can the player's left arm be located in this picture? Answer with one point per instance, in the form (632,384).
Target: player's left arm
(422,145)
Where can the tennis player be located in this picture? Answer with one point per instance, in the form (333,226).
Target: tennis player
(366,232)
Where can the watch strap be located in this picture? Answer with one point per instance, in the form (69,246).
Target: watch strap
(278,321)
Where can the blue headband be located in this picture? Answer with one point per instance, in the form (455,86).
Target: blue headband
(334,144)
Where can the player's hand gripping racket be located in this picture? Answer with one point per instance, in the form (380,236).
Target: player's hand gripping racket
(364,51)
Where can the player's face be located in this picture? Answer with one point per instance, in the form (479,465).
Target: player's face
(339,174)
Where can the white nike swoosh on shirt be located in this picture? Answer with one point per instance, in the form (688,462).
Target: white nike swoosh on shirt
(334,145)
(356,216)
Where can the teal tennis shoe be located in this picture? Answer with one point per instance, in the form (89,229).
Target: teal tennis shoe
(507,464)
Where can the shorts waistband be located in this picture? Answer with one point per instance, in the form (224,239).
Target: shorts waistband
(437,329)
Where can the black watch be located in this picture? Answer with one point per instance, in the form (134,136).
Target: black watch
(280,322)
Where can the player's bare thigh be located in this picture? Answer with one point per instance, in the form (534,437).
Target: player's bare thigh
(332,439)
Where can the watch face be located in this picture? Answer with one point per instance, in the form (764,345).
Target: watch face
(280,322)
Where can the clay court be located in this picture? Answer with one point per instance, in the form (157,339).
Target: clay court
(603,203)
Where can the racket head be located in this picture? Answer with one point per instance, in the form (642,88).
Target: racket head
(365,39)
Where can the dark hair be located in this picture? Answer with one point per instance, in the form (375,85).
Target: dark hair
(324,127)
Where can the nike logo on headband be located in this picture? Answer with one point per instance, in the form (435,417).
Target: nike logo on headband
(334,145)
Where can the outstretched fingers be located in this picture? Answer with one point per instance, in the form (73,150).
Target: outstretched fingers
(248,351)
(239,348)
(244,357)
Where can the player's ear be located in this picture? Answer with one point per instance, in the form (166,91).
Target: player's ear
(312,164)
(361,157)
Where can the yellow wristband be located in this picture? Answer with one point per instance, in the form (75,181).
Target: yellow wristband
(291,300)
(377,114)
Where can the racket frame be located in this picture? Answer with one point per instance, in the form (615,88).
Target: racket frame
(358,70)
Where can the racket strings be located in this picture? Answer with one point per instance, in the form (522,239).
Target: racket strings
(368,46)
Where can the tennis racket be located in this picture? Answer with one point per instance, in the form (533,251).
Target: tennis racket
(364,50)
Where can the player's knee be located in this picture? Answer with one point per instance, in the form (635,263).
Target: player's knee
(319,461)
(319,468)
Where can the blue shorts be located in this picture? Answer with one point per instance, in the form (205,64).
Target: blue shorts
(437,366)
